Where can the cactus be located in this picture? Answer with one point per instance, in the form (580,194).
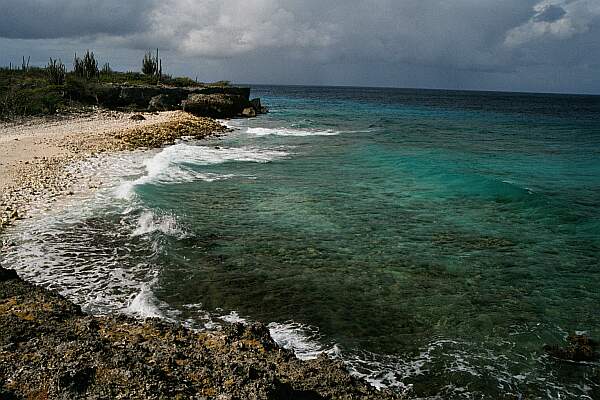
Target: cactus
(87,67)
(56,71)
(106,69)
(152,65)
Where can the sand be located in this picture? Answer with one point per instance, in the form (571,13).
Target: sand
(34,154)
(24,146)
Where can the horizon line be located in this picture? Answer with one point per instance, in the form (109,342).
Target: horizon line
(423,88)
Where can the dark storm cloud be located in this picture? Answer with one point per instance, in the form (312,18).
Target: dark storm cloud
(389,42)
(550,13)
(42,19)
(462,34)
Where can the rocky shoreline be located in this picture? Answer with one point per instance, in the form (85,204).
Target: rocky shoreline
(181,111)
(45,177)
(50,349)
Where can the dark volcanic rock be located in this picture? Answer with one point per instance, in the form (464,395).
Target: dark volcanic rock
(160,98)
(256,104)
(215,105)
(258,107)
(7,274)
(139,96)
(49,349)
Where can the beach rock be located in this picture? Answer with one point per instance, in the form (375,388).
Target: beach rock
(258,107)
(248,112)
(256,104)
(52,350)
(158,98)
(579,348)
(182,124)
(215,105)
(165,102)
(137,117)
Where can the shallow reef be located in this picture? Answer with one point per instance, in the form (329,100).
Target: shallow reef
(50,349)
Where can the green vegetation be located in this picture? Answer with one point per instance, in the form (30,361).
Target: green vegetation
(106,70)
(28,92)
(38,91)
(152,65)
(57,72)
(87,67)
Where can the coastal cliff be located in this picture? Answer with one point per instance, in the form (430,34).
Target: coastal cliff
(208,101)
(50,349)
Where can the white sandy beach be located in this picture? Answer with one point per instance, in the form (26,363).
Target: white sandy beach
(34,153)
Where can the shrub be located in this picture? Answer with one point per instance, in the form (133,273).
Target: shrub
(29,101)
(180,81)
(106,70)
(87,67)
(81,89)
(57,72)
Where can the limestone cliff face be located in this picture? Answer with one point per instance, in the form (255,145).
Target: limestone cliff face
(215,105)
(209,101)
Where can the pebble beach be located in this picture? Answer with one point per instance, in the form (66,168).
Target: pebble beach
(35,154)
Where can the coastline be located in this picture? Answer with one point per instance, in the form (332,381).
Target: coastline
(49,348)
(36,159)
(35,155)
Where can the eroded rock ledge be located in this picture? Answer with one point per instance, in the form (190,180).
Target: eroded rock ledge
(209,101)
(50,349)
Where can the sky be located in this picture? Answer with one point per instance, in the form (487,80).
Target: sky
(509,45)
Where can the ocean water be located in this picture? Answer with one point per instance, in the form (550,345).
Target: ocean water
(433,240)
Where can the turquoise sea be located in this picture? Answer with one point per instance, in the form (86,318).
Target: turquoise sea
(433,240)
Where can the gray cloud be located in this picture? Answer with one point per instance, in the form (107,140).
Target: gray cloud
(43,19)
(388,42)
(556,19)
(462,34)
(549,13)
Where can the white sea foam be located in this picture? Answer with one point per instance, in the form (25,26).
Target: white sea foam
(149,222)
(302,339)
(144,303)
(98,278)
(176,164)
(233,317)
(290,132)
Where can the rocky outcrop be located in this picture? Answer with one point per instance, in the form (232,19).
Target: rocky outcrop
(258,107)
(164,102)
(160,98)
(249,112)
(210,101)
(215,105)
(50,349)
